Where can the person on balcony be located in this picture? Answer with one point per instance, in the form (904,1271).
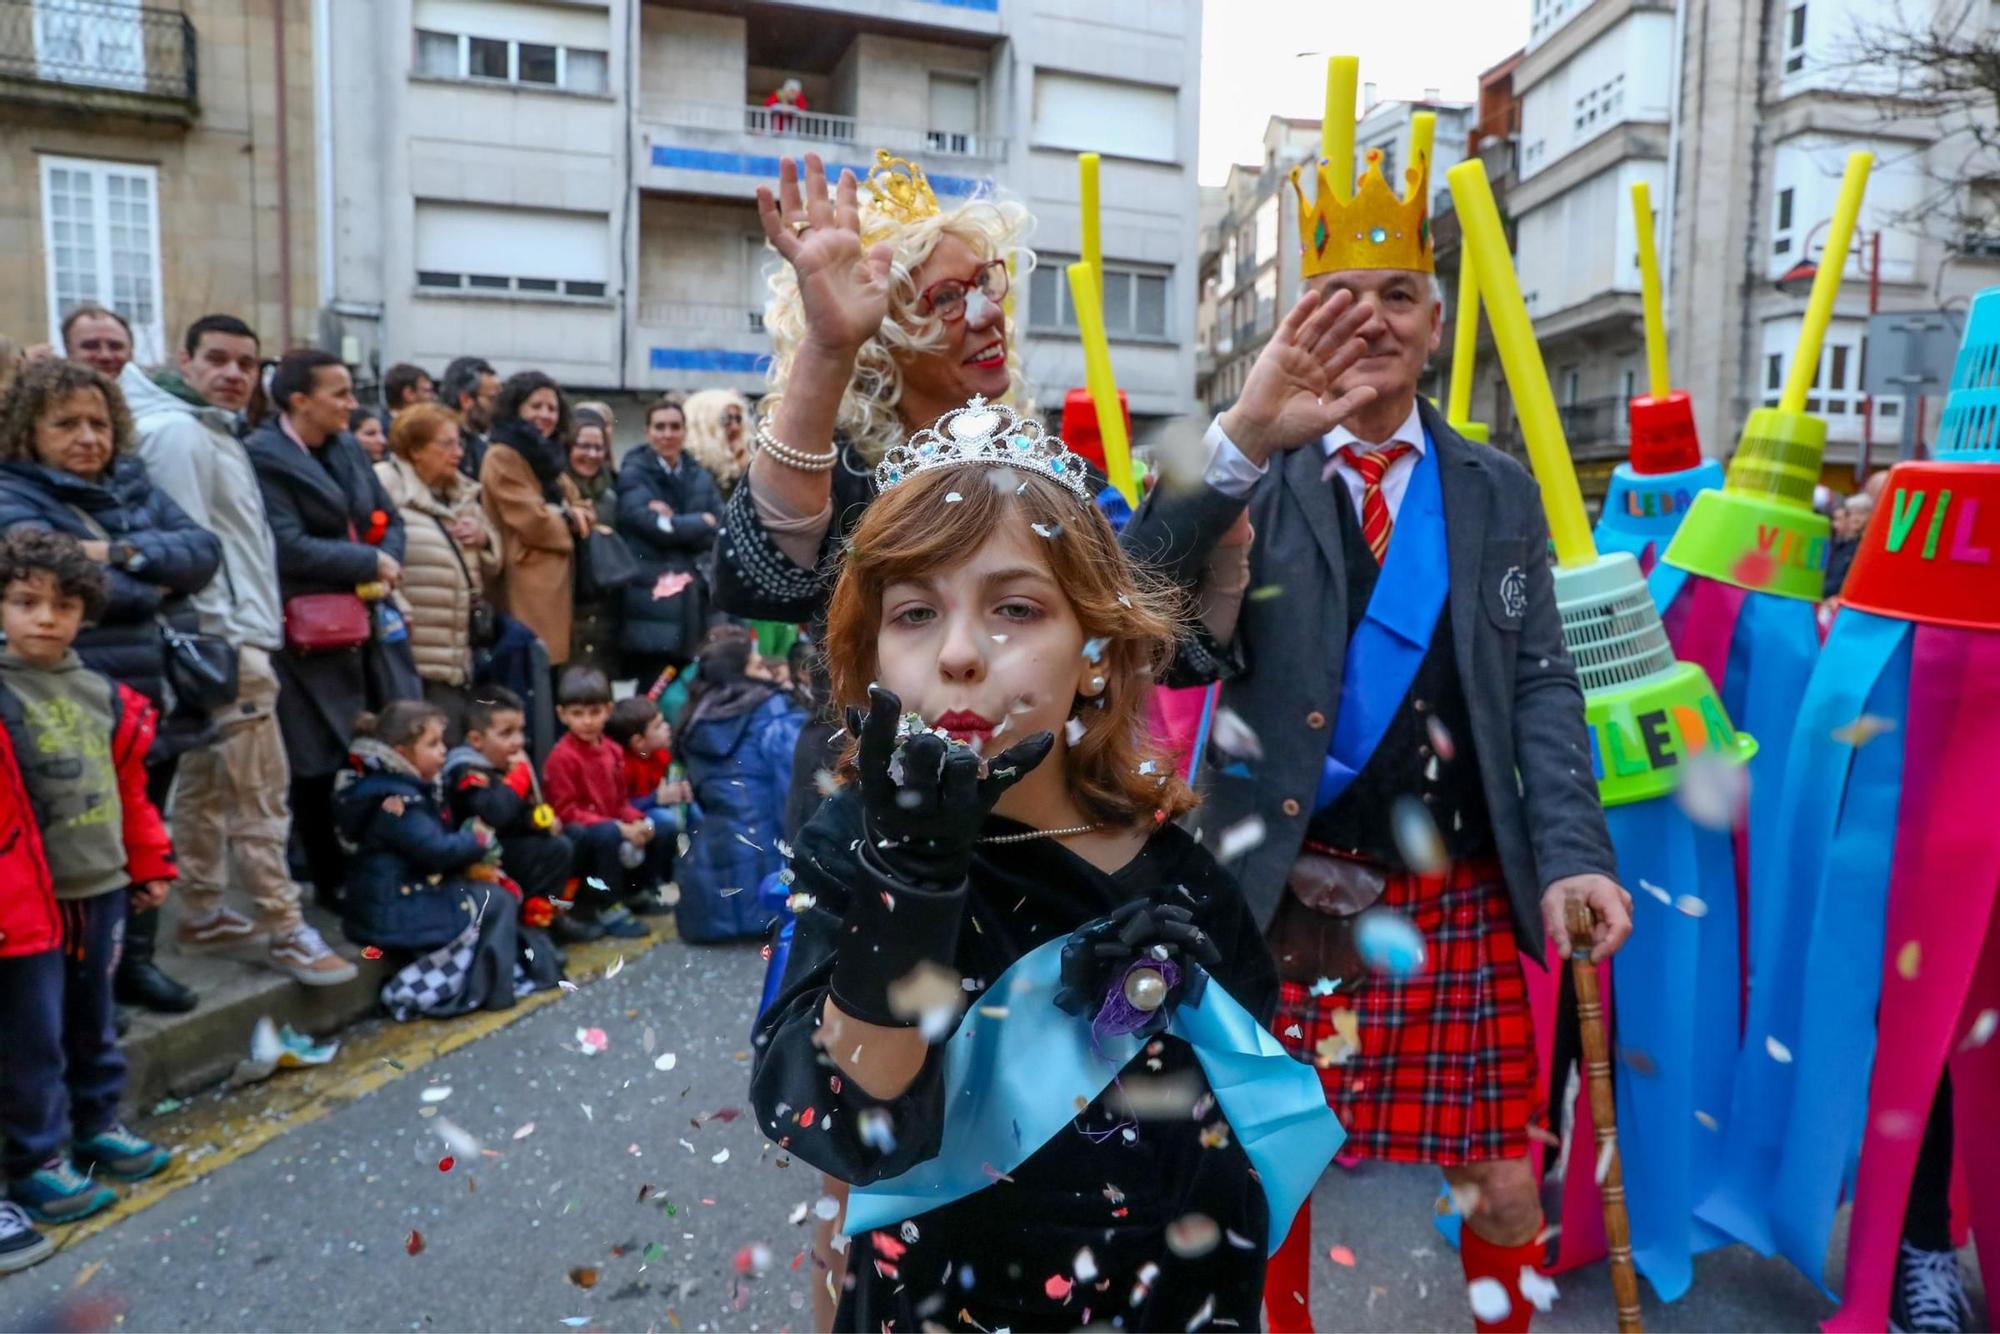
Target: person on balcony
(787,96)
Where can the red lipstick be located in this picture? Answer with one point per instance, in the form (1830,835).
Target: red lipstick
(963,724)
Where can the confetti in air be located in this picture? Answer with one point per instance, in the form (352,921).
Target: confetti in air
(1048,530)
(1777,1050)
(1192,1236)
(1863,730)
(1417,837)
(1908,960)
(1982,1030)
(1232,736)
(1239,838)
(1712,790)
(1389,943)
(1489,1299)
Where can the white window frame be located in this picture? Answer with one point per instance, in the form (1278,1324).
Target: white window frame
(513,79)
(148,336)
(1063,319)
(1797,19)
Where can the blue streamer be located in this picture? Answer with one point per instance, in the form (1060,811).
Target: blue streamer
(1815,844)
(1012,1083)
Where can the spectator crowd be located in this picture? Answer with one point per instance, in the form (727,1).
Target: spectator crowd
(260,636)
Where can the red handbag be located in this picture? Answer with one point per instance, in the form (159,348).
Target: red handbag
(325,622)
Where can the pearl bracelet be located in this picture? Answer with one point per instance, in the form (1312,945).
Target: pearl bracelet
(794,458)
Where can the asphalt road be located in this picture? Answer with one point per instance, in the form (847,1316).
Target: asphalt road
(594,1200)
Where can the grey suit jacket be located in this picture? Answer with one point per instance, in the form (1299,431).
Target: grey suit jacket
(1282,672)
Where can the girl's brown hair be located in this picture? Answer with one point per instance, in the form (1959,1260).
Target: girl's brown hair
(1116,771)
(402,722)
(416,426)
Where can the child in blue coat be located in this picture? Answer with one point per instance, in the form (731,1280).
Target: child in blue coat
(735,739)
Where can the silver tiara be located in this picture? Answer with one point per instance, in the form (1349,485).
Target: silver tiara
(982,433)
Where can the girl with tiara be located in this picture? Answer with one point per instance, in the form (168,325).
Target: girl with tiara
(997,1021)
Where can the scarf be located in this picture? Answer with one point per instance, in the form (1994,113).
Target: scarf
(544,455)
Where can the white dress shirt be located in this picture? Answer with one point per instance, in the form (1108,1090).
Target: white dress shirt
(1233,474)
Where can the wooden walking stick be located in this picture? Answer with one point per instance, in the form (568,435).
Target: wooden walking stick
(1604,1116)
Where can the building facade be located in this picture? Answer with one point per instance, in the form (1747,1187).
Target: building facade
(157,159)
(1740,115)
(573,182)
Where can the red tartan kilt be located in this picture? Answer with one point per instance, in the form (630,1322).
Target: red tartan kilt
(1446,1068)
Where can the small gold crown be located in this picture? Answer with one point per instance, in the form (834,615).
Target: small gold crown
(1374,229)
(898,194)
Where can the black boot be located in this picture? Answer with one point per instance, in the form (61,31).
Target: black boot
(139,980)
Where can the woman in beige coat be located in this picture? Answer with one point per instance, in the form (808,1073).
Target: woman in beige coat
(451,552)
(535,508)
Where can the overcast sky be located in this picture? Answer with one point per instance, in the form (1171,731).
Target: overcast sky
(1251,69)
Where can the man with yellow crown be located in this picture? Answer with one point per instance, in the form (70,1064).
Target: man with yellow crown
(1424,809)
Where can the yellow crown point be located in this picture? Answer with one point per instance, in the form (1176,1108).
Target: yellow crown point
(1375,229)
(899,193)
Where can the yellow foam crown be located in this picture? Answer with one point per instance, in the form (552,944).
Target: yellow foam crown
(1374,229)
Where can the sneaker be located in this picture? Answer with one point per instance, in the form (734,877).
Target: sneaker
(307,957)
(569,929)
(56,1192)
(1929,1296)
(118,1153)
(622,924)
(20,1244)
(221,931)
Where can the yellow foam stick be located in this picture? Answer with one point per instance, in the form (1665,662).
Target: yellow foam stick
(1464,343)
(1521,358)
(1826,283)
(1659,382)
(1093,237)
(1336,130)
(1102,383)
(1423,132)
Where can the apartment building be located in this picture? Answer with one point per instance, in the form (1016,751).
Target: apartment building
(1253,249)
(156,159)
(1739,114)
(573,184)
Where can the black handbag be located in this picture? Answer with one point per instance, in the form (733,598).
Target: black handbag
(200,669)
(604,565)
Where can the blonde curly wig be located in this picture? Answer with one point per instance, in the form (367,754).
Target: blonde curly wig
(993,228)
(708,443)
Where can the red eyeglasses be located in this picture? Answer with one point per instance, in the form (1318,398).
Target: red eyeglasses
(946,300)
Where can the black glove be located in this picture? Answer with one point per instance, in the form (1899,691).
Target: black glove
(925,799)
(1096,955)
(921,833)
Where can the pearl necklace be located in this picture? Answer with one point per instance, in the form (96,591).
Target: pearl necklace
(1040,833)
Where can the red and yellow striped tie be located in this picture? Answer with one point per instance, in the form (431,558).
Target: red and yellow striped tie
(1375,520)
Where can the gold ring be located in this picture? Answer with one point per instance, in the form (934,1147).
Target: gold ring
(800,226)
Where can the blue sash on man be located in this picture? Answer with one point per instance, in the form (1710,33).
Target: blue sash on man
(1386,649)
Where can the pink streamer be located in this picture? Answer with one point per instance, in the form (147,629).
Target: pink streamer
(1582,1239)
(1942,887)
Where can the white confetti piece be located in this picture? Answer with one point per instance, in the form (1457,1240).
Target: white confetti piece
(1712,790)
(1084,1266)
(1541,1293)
(617,967)
(720,1156)
(436,1093)
(1777,1050)
(1691,905)
(826,1208)
(952,498)
(1048,530)
(1707,1122)
(1656,892)
(1232,736)
(1982,1030)
(1239,838)
(1417,837)
(525,1131)
(1073,731)
(664,1061)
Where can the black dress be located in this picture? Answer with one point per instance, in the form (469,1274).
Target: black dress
(1004,1256)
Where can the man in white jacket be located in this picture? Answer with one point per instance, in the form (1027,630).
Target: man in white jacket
(230,797)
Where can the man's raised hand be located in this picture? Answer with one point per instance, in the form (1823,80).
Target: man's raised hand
(1289,397)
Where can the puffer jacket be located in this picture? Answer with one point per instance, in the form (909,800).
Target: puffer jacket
(441,579)
(29,922)
(407,886)
(171,559)
(669,627)
(737,749)
(594,630)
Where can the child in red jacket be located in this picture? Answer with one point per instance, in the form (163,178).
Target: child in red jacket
(584,779)
(73,747)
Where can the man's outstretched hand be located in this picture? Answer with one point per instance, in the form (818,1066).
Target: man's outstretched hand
(1289,397)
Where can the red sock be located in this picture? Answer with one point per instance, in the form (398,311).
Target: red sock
(1503,1264)
(1288,1278)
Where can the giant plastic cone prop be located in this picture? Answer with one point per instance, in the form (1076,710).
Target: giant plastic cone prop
(1652,492)
(1886,823)
(1738,590)
(1651,719)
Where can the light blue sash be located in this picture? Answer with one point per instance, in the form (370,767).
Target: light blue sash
(1013,1082)
(1395,633)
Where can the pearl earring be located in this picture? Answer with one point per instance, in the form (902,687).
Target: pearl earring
(1096,683)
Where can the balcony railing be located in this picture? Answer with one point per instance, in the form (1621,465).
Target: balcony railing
(99,44)
(1595,424)
(701,315)
(825,127)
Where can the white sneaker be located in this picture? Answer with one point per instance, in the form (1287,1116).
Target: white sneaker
(306,956)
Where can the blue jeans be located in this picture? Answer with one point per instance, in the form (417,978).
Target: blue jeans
(60,1067)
